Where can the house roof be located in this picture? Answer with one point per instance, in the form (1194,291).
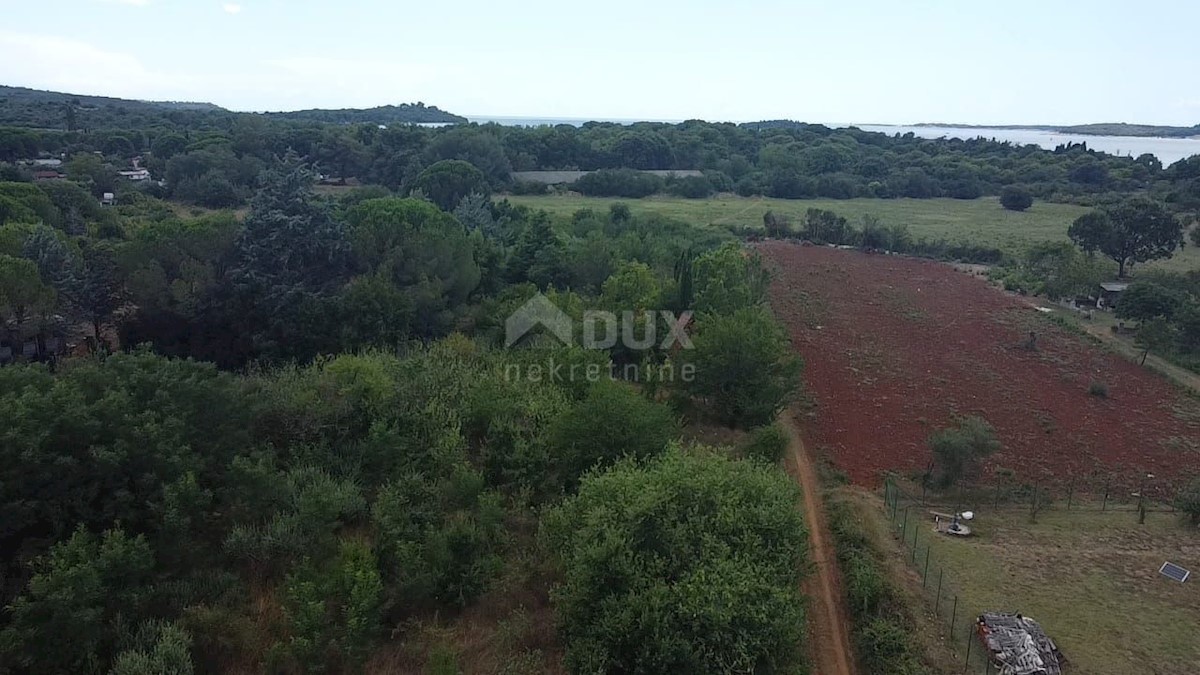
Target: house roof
(1114,286)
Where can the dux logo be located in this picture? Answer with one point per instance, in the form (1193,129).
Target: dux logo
(601,329)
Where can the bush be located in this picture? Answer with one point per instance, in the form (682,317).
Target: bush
(1015,199)
(333,613)
(768,443)
(529,187)
(626,183)
(958,449)
(1188,501)
(1098,389)
(612,422)
(689,564)
(691,187)
(882,638)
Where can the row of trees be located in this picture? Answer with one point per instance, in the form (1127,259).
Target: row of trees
(821,226)
(215,160)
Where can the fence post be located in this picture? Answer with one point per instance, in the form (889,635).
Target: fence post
(916,531)
(967,664)
(1070,493)
(925,577)
(1104,504)
(953,616)
(937,606)
(904,527)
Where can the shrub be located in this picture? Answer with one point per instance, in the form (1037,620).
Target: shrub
(612,422)
(1098,389)
(687,565)
(1188,501)
(882,638)
(768,443)
(957,450)
(529,187)
(619,183)
(691,187)
(1015,199)
(334,613)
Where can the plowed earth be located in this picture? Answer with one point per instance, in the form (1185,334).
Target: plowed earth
(896,347)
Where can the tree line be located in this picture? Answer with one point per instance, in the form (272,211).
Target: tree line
(216,160)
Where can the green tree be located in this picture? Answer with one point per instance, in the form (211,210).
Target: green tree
(161,649)
(1156,335)
(726,280)
(448,182)
(438,542)
(1015,198)
(1145,300)
(957,450)
(83,595)
(1136,230)
(612,422)
(745,371)
(687,564)
(98,291)
(334,610)
(290,256)
(777,226)
(22,293)
(423,251)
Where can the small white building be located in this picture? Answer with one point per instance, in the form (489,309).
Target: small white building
(135,174)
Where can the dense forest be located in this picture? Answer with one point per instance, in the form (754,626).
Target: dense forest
(320,452)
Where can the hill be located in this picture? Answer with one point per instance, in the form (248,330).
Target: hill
(24,107)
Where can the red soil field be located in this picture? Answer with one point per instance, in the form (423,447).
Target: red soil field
(896,347)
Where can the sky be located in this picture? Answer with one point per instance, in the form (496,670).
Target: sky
(847,61)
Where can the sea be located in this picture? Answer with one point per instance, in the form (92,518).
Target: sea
(1167,150)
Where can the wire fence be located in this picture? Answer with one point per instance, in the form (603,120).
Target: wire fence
(911,514)
(954,618)
(1137,492)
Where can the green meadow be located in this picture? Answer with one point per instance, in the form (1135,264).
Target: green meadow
(980,221)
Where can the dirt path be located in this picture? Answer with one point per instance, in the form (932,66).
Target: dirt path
(830,635)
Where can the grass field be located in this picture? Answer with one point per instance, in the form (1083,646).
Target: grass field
(1090,578)
(980,221)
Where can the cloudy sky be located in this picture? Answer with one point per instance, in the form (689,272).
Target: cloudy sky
(860,61)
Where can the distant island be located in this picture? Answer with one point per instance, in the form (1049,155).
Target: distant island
(1097,129)
(406,113)
(34,108)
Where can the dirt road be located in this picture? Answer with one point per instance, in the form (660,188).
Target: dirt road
(829,649)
